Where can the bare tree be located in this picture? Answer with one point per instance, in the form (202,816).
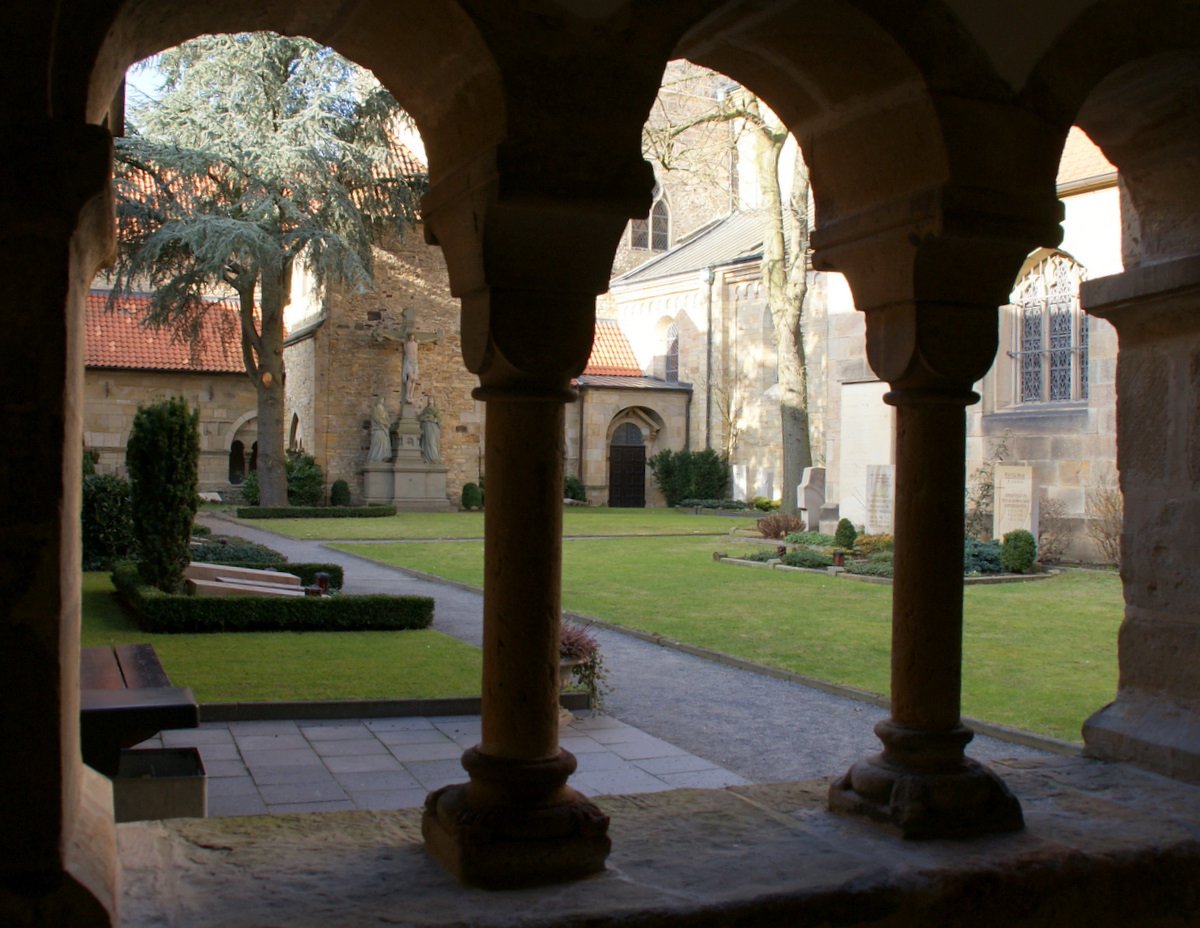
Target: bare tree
(670,139)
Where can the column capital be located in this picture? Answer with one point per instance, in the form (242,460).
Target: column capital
(527,253)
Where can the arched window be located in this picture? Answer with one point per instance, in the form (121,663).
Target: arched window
(671,354)
(653,233)
(1051,355)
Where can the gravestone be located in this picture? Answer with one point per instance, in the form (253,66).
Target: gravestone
(810,496)
(881,484)
(739,482)
(764,483)
(1014,503)
(867,435)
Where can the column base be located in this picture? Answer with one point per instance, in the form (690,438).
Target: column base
(944,797)
(515,824)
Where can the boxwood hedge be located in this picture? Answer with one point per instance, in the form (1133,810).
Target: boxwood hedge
(156,611)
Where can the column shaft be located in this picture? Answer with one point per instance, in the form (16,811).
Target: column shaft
(522,578)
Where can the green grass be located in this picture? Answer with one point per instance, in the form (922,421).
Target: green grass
(576,521)
(1040,655)
(248,666)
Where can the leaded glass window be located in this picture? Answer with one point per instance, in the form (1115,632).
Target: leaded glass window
(1051,340)
(671,371)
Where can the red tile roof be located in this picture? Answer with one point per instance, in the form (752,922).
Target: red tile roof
(1082,159)
(117,339)
(611,354)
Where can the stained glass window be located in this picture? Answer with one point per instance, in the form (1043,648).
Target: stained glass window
(1051,339)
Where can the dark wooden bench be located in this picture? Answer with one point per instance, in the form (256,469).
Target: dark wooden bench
(126,697)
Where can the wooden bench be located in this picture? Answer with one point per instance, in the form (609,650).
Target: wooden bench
(126,697)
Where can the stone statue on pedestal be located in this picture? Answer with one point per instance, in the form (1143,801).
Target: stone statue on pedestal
(431,433)
(381,433)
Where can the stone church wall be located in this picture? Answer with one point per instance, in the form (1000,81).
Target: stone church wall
(112,398)
(357,353)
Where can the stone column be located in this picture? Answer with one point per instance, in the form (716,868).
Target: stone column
(1154,721)
(922,784)
(517,822)
(59,852)
(931,311)
(527,268)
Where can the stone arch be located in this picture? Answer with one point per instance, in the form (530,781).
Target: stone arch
(240,429)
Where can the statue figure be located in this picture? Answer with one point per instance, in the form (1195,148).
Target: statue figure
(431,433)
(381,433)
(408,372)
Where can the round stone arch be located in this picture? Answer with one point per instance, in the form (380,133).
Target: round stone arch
(631,439)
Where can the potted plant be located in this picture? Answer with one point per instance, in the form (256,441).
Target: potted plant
(580,662)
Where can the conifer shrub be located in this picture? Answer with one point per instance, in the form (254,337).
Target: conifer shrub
(305,481)
(1018,551)
(869,544)
(845,535)
(162,457)
(981,557)
(690,474)
(339,493)
(106,518)
(472,496)
(573,488)
(809,538)
(229,549)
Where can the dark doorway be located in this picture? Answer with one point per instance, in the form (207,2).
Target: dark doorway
(627,468)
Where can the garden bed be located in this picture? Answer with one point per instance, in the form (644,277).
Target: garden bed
(842,573)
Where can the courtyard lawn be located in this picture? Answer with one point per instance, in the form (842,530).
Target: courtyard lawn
(577,521)
(249,666)
(1039,655)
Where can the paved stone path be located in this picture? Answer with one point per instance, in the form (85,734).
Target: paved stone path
(674,719)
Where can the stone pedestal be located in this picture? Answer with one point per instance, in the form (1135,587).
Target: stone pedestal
(407,482)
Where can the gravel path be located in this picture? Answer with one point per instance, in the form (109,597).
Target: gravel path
(761,727)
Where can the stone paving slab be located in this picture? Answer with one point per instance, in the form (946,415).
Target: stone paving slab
(291,766)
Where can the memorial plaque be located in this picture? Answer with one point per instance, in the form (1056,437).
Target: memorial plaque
(881,490)
(1015,504)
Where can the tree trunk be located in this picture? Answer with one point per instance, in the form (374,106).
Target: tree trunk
(268,382)
(786,288)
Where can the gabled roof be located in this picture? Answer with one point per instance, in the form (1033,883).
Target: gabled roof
(611,353)
(117,339)
(733,238)
(1082,160)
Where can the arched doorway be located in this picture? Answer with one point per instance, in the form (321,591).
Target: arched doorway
(627,467)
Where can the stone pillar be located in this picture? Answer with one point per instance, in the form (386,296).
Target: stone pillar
(517,822)
(528,319)
(922,784)
(1154,721)
(58,858)
(931,312)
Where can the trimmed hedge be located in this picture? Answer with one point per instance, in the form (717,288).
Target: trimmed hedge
(735,505)
(809,538)
(315,512)
(237,552)
(805,557)
(160,612)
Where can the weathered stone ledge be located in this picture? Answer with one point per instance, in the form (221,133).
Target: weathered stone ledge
(1107,843)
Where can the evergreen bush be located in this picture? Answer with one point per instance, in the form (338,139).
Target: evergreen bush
(735,505)
(1018,551)
(573,488)
(339,493)
(472,497)
(315,512)
(690,474)
(106,518)
(869,544)
(162,457)
(846,534)
(305,482)
(224,549)
(807,558)
(981,557)
(809,538)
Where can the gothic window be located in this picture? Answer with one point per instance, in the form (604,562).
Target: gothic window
(671,367)
(1051,355)
(653,233)
(627,434)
